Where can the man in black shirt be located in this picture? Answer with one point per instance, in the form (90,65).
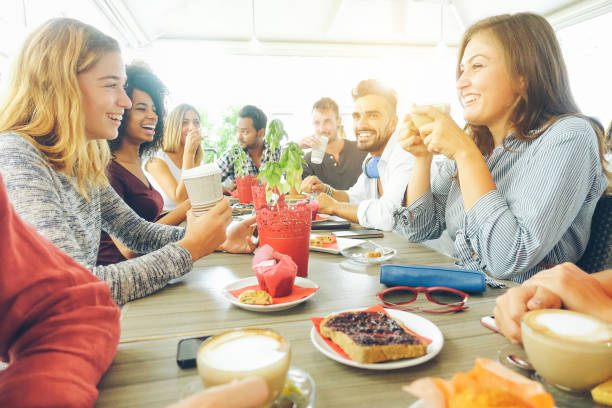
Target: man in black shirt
(342,161)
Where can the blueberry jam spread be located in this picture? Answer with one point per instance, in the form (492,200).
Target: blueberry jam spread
(371,329)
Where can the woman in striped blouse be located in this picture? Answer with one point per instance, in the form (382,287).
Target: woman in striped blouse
(521,181)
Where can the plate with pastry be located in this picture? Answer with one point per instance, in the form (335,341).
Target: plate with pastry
(246,294)
(331,244)
(400,339)
(488,384)
(368,252)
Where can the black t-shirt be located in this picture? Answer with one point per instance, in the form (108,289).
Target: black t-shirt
(341,175)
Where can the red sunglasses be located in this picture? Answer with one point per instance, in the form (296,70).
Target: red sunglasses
(448,299)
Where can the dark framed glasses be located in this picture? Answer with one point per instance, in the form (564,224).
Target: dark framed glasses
(442,299)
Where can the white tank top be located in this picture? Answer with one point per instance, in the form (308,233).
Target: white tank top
(176,173)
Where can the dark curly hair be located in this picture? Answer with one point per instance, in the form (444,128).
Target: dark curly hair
(142,78)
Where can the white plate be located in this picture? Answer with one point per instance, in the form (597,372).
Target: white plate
(303,282)
(420,403)
(343,243)
(358,253)
(416,323)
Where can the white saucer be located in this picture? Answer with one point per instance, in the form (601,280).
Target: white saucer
(420,403)
(417,324)
(358,253)
(303,282)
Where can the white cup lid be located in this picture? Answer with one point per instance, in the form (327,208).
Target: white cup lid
(200,171)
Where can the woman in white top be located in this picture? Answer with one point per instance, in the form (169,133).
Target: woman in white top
(181,150)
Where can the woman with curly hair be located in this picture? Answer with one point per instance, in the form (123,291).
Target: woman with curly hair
(140,135)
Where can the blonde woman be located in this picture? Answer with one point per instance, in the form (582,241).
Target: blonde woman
(181,150)
(54,124)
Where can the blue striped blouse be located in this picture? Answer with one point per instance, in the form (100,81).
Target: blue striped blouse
(540,213)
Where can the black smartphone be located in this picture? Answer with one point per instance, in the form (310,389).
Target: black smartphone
(187,350)
(330,224)
(362,233)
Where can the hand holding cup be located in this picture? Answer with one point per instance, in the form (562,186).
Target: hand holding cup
(205,233)
(193,139)
(410,139)
(441,135)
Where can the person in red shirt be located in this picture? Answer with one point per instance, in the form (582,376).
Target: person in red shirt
(59,327)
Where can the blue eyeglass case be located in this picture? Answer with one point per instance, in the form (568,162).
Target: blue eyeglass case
(428,276)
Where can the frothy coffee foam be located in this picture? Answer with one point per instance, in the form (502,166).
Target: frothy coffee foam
(573,326)
(245,353)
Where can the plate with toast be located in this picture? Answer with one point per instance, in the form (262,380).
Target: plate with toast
(331,244)
(392,346)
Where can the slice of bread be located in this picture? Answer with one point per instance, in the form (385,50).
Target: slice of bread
(322,239)
(255,297)
(371,337)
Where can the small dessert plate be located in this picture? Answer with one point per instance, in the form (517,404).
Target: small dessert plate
(303,282)
(300,390)
(341,244)
(368,253)
(417,324)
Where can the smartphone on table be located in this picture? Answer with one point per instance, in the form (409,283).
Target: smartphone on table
(489,323)
(187,351)
(360,233)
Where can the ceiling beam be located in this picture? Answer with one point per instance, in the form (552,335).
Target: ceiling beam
(578,12)
(122,19)
(335,12)
(458,18)
(307,49)
(398,20)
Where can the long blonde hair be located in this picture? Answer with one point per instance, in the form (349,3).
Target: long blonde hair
(174,128)
(43,99)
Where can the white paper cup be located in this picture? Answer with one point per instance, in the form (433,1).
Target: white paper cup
(318,152)
(420,120)
(203,185)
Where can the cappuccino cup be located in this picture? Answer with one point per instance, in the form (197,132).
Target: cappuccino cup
(568,349)
(420,119)
(203,186)
(241,353)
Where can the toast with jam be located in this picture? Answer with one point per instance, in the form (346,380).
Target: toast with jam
(371,337)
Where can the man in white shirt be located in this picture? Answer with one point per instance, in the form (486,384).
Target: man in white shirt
(380,189)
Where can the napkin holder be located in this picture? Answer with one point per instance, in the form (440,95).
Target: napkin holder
(428,276)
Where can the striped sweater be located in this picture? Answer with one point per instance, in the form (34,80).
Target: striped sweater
(539,214)
(46,199)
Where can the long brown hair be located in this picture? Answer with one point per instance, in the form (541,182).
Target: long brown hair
(43,99)
(533,58)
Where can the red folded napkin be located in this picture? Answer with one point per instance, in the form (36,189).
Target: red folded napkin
(297,293)
(316,321)
(318,217)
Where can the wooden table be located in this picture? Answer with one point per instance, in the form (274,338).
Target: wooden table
(144,372)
